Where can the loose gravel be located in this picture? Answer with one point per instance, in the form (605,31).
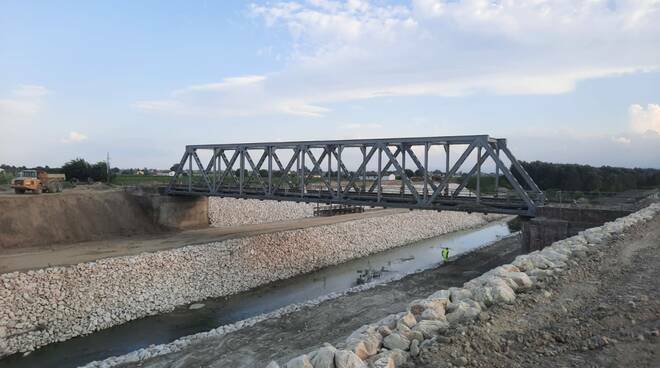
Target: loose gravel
(234,212)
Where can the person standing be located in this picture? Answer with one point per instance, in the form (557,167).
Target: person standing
(445,254)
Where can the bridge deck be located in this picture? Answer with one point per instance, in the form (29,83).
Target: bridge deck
(388,200)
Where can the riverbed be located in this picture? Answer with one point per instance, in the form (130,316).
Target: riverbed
(166,327)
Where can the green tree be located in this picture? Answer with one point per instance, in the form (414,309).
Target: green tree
(99,171)
(77,168)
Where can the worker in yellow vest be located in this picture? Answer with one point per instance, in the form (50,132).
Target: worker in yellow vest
(445,254)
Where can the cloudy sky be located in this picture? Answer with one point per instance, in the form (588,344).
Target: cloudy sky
(564,81)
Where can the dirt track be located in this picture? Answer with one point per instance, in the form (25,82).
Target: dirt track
(39,257)
(603,313)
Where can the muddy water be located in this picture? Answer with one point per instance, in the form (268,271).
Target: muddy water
(220,311)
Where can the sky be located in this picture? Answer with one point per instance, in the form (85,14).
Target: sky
(564,81)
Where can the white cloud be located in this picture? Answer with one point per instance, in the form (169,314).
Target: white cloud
(226,83)
(643,120)
(18,107)
(621,140)
(22,102)
(30,91)
(74,137)
(362,126)
(355,50)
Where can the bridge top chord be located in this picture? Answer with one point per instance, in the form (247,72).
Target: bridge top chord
(365,172)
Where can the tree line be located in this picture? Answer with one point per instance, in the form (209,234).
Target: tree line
(77,168)
(574,177)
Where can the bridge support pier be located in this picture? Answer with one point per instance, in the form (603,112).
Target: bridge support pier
(556,223)
(181,212)
(174,212)
(539,232)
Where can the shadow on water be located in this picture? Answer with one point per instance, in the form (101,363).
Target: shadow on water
(166,327)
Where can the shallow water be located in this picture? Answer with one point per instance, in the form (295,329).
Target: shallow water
(167,327)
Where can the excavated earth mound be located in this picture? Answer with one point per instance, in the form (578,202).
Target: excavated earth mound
(46,219)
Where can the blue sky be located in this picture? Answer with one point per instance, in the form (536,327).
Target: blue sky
(565,81)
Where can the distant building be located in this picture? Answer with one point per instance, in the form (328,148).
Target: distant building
(385,177)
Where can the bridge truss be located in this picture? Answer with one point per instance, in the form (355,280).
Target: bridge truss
(356,172)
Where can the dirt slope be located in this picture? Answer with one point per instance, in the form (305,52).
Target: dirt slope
(32,220)
(604,313)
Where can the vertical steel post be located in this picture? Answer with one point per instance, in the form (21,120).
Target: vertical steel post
(497,171)
(190,159)
(403,167)
(215,169)
(270,169)
(380,173)
(447,168)
(303,152)
(478,174)
(220,166)
(426,170)
(328,149)
(241,178)
(363,148)
(340,149)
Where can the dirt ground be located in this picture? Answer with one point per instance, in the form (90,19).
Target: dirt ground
(20,259)
(294,334)
(603,313)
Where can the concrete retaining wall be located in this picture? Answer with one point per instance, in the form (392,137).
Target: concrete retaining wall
(581,215)
(43,306)
(175,213)
(556,223)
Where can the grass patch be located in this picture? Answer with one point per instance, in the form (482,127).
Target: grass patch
(487,184)
(139,179)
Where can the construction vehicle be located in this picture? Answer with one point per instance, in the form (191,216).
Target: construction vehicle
(37,182)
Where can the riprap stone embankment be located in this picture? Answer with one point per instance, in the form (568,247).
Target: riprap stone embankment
(392,341)
(233,212)
(43,306)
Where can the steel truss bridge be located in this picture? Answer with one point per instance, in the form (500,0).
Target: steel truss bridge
(318,171)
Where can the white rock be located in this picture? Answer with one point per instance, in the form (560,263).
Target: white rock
(396,341)
(347,359)
(384,362)
(463,311)
(430,328)
(324,357)
(408,319)
(299,362)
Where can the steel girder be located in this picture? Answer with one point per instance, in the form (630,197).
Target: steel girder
(325,177)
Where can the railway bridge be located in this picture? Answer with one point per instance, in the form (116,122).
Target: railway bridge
(432,173)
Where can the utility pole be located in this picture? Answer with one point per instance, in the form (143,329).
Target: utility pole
(107,167)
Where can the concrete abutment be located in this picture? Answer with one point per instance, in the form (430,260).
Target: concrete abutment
(556,223)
